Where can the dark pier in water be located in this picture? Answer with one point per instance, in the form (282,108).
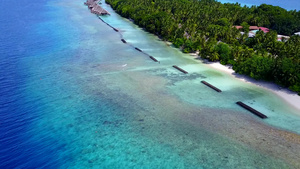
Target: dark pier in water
(110,26)
(259,114)
(123,40)
(91,3)
(151,57)
(211,86)
(115,29)
(138,49)
(178,68)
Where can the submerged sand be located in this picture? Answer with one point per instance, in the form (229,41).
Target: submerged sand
(159,117)
(292,98)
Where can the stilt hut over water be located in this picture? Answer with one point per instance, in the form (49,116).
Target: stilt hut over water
(95,8)
(90,2)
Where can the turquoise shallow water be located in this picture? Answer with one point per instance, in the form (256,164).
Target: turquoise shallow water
(77,97)
(189,87)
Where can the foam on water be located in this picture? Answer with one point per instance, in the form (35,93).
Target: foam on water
(84,99)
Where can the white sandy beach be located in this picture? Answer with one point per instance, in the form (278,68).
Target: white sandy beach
(290,97)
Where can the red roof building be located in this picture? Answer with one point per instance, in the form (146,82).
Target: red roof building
(238,27)
(266,30)
(253,28)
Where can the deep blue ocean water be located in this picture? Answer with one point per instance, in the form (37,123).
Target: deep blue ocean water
(72,95)
(30,31)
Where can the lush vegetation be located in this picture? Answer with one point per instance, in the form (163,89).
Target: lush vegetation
(206,26)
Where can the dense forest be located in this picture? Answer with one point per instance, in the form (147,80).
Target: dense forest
(206,26)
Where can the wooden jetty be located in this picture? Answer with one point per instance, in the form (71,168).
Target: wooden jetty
(123,40)
(115,29)
(259,114)
(211,86)
(178,68)
(151,57)
(138,49)
(95,8)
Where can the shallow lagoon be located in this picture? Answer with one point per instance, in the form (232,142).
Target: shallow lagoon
(95,102)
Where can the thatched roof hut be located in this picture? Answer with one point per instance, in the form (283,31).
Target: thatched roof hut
(98,10)
(89,2)
(93,5)
(95,8)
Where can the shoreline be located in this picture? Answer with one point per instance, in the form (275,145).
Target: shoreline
(290,97)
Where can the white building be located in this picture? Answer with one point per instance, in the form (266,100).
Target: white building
(280,37)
